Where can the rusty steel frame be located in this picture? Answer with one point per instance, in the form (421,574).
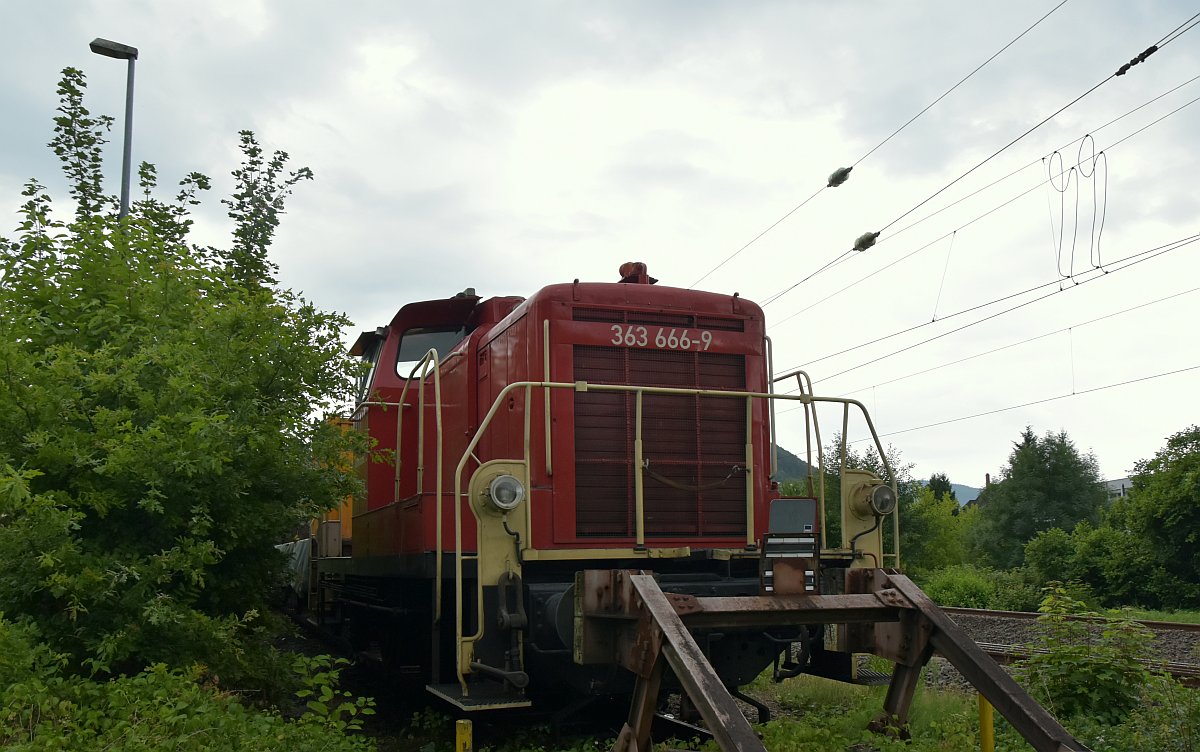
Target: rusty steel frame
(624,617)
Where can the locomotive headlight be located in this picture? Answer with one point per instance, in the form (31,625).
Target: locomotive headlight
(882,500)
(870,497)
(506,492)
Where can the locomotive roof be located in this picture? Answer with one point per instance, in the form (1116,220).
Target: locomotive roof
(621,294)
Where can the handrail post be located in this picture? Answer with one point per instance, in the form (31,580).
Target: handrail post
(842,465)
(768,347)
(438,501)
(812,429)
(639,498)
(399,434)
(546,392)
(750,539)
(528,460)
(421,433)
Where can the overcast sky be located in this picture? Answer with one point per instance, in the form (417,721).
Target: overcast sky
(506,146)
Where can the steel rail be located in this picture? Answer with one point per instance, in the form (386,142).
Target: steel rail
(1165,626)
(1187,673)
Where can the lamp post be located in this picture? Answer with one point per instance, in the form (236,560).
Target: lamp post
(122,52)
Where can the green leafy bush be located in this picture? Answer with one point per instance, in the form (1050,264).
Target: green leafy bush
(329,706)
(43,708)
(1167,720)
(1078,669)
(158,418)
(1020,590)
(964,586)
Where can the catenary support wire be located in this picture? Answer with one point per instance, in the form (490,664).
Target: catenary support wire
(1035,402)
(1027,340)
(1123,263)
(840,175)
(1172,36)
(1024,193)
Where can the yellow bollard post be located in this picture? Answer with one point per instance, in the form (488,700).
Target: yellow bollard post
(462,736)
(987,730)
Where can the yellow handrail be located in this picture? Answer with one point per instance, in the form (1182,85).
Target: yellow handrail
(583,386)
(429,360)
(639,492)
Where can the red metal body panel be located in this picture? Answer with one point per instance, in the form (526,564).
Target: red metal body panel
(602,333)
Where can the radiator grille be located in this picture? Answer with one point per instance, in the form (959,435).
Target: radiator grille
(650,318)
(695,442)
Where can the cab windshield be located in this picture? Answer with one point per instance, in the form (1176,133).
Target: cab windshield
(415,342)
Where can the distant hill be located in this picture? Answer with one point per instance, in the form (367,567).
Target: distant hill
(965,493)
(791,467)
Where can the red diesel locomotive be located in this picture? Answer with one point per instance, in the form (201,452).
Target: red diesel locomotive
(518,442)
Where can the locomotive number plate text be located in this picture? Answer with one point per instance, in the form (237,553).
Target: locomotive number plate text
(667,339)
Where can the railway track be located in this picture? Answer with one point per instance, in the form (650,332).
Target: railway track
(1188,674)
(1174,640)
(1164,626)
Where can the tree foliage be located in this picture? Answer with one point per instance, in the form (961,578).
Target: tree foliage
(940,485)
(1144,550)
(160,414)
(1165,503)
(931,532)
(1046,483)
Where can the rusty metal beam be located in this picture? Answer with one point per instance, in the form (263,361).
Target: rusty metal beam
(901,690)
(733,612)
(635,735)
(720,713)
(1031,720)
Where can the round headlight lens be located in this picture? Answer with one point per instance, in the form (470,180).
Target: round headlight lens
(506,492)
(883,500)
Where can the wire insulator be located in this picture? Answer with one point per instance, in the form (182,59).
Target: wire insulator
(1139,59)
(839,176)
(865,241)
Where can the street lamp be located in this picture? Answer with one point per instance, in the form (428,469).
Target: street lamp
(122,52)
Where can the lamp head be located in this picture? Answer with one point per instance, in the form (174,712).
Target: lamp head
(109,48)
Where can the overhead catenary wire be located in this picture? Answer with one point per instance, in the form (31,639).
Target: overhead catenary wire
(1024,193)
(985,413)
(844,172)
(832,263)
(1033,163)
(961,81)
(1025,341)
(945,268)
(1170,37)
(755,239)
(1060,290)
(1118,265)
(1177,32)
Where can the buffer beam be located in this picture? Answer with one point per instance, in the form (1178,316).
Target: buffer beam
(623,616)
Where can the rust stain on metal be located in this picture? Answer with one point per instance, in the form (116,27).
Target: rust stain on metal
(892,597)
(789,576)
(684,604)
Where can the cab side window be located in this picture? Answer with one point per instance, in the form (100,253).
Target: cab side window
(370,356)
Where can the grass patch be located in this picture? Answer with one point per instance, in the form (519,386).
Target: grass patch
(1143,614)
(824,714)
